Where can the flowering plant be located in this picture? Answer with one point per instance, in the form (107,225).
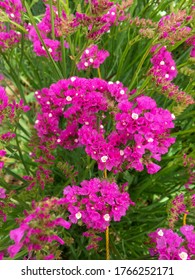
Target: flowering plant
(97,123)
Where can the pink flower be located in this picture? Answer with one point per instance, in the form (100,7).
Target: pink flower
(17,234)
(14,249)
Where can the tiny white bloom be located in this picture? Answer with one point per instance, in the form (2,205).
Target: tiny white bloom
(68,98)
(43,48)
(12,15)
(106,217)
(104,158)
(78,215)
(86,64)
(160,232)
(76,94)
(39,96)
(139,147)
(113,13)
(50,50)
(117,82)
(101,126)
(110,82)
(122,92)
(150,140)
(122,153)
(37,121)
(91,60)
(59,140)
(87,51)
(162,63)
(173,116)
(86,123)
(50,115)
(36,92)
(76,140)
(72,79)
(30,154)
(167,76)
(172,68)
(48,102)
(134,116)
(183,255)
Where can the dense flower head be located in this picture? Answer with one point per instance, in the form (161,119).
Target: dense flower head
(96,203)
(75,112)
(174,27)
(168,245)
(11,10)
(45,28)
(92,57)
(163,63)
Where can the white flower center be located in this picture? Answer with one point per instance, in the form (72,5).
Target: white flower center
(86,64)
(59,140)
(78,215)
(50,115)
(87,51)
(50,50)
(104,158)
(37,121)
(134,116)
(68,98)
(76,140)
(48,102)
(150,140)
(162,63)
(106,217)
(113,13)
(91,60)
(183,255)
(72,79)
(122,153)
(12,15)
(172,68)
(122,92)
(167,76)
(110,83)
(173,116)
(160,232)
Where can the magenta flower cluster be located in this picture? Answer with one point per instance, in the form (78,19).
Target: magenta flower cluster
(92,57)
(10,36)
(169,245)
(163,63)
(45,29)
(96,203)
(140,130)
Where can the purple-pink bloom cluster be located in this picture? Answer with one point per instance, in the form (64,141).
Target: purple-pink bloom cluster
(168,245)
(96,203)
(13,10)
(45,28)
(38,228)
(140,130)
(163,63)
(92,57)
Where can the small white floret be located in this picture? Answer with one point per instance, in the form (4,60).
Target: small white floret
(78,215)
(162,63)
(160,232)
(104,159)
(69,98)
(183,255)
(134,116)
(106,217)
